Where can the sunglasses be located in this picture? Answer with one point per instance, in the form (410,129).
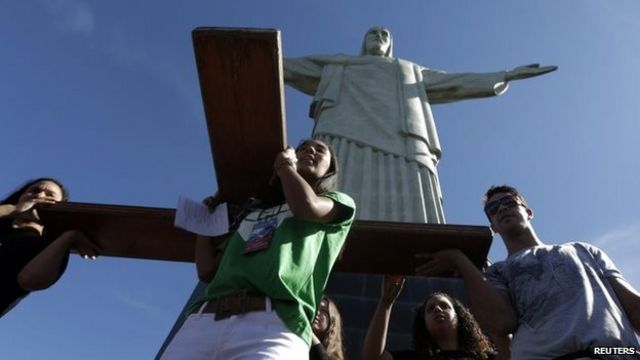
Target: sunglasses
(491,208)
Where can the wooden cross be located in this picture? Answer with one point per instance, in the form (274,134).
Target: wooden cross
(240,74)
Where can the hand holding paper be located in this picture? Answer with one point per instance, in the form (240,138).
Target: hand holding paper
(195,217)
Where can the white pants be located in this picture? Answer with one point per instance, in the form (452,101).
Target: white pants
(254,335)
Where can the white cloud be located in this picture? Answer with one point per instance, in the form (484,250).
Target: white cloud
(72,15)
(143,306)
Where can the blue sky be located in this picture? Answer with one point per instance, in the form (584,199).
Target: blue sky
(105,97)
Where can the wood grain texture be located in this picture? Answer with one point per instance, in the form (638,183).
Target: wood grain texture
(240,73)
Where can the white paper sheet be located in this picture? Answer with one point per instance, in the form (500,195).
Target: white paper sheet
(195,217)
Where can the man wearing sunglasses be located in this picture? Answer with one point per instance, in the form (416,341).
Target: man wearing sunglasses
(564,301)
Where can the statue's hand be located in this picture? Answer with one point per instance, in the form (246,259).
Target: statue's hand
(527,71)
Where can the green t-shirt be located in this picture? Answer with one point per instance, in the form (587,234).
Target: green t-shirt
(293,271)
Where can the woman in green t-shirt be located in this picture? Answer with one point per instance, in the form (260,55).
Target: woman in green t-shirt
(266,279)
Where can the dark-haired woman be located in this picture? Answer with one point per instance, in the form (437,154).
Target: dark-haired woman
(29,259)
(443,329)
(264,290)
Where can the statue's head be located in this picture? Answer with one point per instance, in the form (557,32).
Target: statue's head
(377,41)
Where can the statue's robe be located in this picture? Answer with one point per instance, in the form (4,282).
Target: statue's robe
(375,111)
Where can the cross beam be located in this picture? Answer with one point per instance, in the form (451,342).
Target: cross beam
(371,247)
(240,73)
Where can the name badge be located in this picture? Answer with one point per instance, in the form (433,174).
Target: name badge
(261,235)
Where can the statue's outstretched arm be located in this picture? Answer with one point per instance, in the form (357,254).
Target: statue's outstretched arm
(528,71)
(302,74)
(443,87)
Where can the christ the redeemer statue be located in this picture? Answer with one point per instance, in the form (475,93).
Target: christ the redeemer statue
(375,110)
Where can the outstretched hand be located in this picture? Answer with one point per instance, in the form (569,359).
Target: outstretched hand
(25,210)
(528,71)
(84,246)
(216,199)
(29,204)
(213,201)
(391,287)
(287,157)
(439,263)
